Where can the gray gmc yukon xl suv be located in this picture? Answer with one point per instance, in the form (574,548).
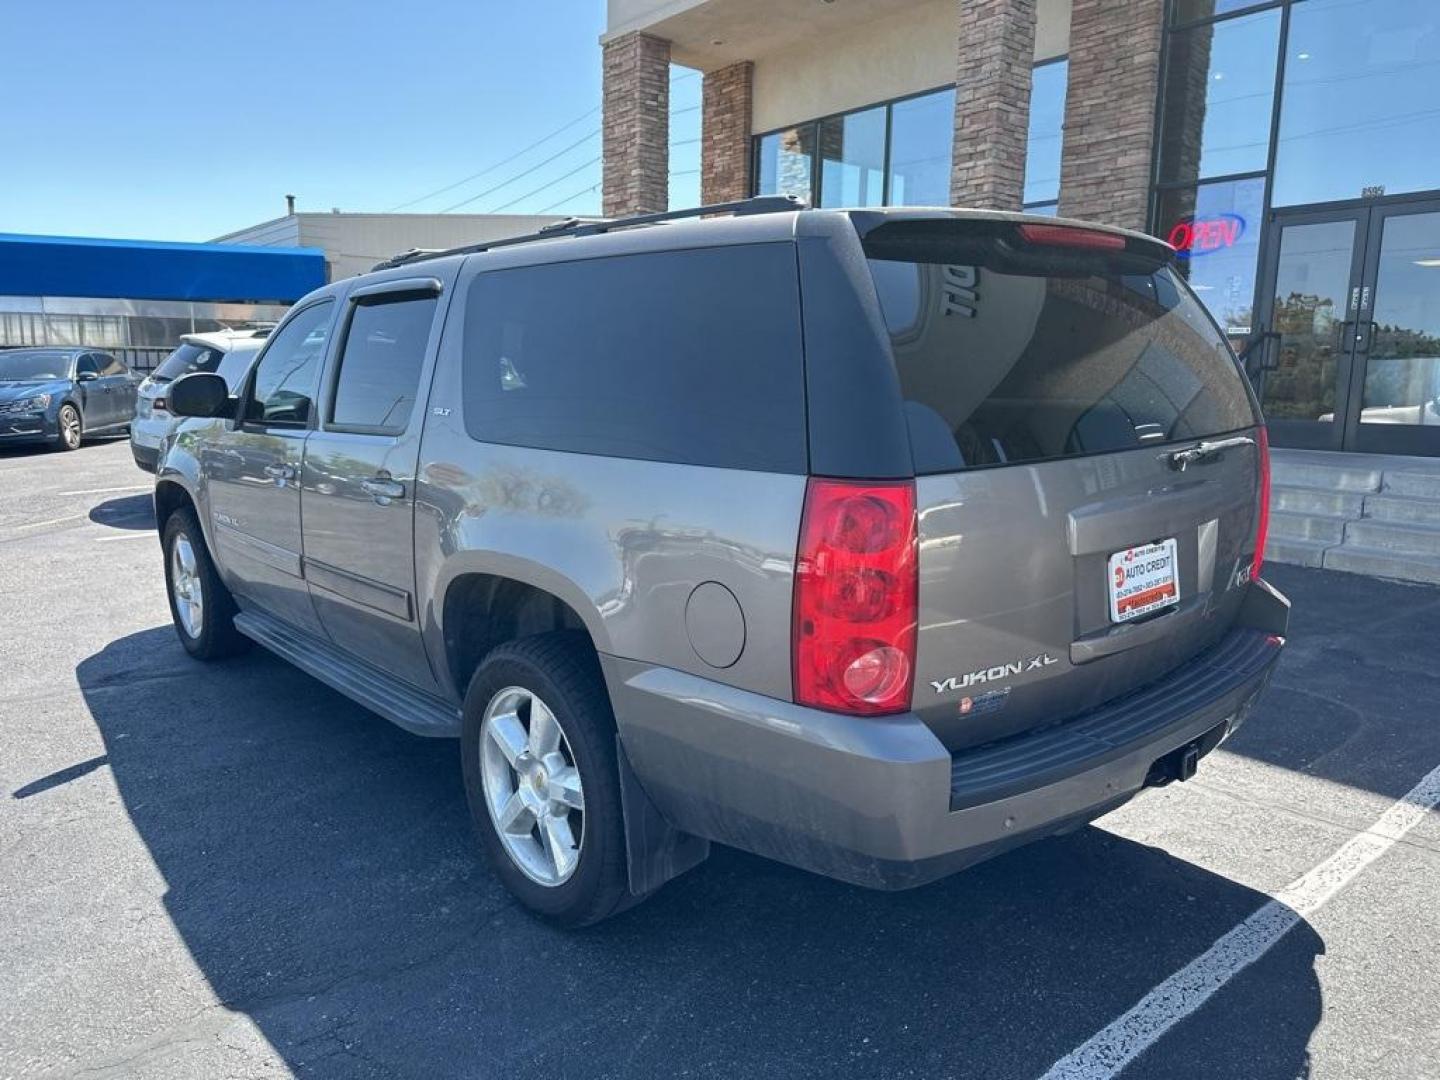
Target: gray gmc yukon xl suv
(876,541)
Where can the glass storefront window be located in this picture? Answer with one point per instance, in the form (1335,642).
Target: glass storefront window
(852,159)
(1219,90)
(784,165)
(1402,372)
(1047,119)
(1191,10)
(844,160)
(921,135)
(1358,116)
(1216,230)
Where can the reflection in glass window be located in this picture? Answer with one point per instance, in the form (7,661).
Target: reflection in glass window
(1402,371)
(1191,10)
(1216,230)
(852,159)
(380,367)
(784,166)
(1358,105)
(921,135)
(1047,118)
(1219,87)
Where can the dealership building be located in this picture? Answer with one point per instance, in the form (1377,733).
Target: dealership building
(1289,149)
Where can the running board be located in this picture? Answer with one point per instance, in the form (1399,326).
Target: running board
(401,704)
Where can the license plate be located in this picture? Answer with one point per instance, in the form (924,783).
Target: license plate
(1142,580)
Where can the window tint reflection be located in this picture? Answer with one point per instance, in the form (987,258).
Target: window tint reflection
(1219,90)
(1358,108)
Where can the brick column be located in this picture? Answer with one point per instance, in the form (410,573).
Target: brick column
(725,101)
(1110,110)
(996,49)
(636,130)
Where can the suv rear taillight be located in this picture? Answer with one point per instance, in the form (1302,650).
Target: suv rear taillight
(1262,524)
(856,579)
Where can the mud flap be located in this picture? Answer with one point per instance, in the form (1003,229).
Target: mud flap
(1265,608)
(655,850)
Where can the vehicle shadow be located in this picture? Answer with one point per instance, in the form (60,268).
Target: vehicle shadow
(320,871)
(1349,700)
(129,512)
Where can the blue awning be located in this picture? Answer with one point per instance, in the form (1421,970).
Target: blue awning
(156,270)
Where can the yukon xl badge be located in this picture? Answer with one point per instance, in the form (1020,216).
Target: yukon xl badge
(994,674)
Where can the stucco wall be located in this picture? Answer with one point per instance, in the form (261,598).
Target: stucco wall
(885,59)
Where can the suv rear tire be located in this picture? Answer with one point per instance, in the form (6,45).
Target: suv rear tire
(200,605)
(537,775)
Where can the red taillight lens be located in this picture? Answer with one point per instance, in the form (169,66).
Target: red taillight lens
(1262,526)
(1071,237)
(856,580)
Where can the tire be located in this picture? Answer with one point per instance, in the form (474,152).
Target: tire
(207,630)
(69,428)
(561,671)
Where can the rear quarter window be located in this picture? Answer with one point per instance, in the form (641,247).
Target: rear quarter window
(1002,367)
(691,357)
(186,360)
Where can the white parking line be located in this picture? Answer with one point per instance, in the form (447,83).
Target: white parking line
(52,521)
(107,491)
(1107,1052)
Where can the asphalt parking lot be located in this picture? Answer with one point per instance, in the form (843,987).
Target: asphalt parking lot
(233,871)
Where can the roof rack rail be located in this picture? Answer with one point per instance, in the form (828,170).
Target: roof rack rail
(572,226)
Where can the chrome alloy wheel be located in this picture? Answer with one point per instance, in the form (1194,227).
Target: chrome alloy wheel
(70,427)
(532,787)
(185,586)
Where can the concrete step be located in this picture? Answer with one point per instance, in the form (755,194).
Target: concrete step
(1296,552)
(1321,527)
(1394,537)
(1326,477)
(1307,500)
(1417,484)
(1380,562)
(1403,508)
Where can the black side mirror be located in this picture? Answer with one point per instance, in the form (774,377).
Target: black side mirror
(86,376)
(201,393)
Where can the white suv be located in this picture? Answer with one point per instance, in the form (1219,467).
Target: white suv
(227,353)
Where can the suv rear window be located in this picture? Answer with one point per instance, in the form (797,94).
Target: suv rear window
(1007,356)
(691,357)
(186,359)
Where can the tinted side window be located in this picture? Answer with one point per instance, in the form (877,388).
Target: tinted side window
(233,365)
(109,365)
(86,365)
(284,387)
(186,359)
(686,356)
(380,367)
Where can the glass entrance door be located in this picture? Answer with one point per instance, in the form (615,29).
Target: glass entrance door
(1353,304)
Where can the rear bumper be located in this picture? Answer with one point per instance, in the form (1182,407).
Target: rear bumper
(147,457)
(880,801)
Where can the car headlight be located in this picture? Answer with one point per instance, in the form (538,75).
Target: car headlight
(39,401)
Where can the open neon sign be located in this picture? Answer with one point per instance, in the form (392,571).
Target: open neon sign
(1206,235)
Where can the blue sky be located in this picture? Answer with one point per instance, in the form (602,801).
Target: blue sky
(174,120)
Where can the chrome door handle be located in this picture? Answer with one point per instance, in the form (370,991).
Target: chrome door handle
(1179,459)
(280,472)
(382,489)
